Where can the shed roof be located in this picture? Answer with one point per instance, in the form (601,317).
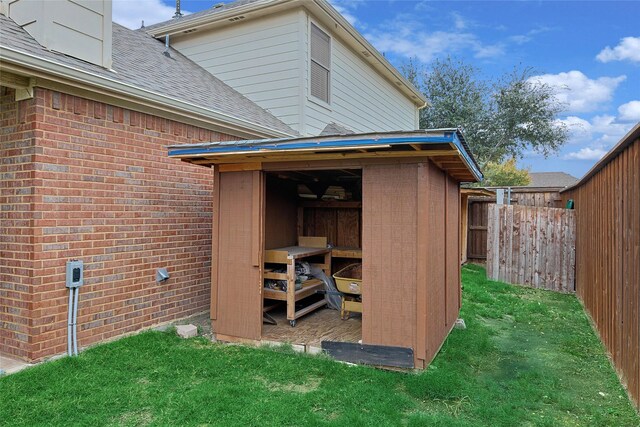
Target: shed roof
(446,148)
(139,62)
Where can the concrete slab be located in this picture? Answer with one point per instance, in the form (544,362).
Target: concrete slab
(187,331)
(10,366)
(312,349)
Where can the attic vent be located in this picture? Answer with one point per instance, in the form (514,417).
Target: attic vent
(236,18)
(365,53)
(190,31)
(218,5)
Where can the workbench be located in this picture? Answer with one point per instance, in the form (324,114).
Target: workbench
(288,256)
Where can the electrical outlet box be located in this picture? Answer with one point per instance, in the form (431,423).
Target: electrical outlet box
(75,273)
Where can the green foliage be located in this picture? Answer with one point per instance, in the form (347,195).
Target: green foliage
(527,358)
(500,118)
(505,174)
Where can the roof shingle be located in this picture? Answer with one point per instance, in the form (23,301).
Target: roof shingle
(138,60)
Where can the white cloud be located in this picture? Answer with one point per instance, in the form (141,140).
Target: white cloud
(525,38)
(427,46)
(580,130)
(628,49)
(586,154)
(459,21)
(578,92)
(593,137)
(131,13)
(630,112)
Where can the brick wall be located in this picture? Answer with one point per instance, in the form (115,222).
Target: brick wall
(17,147)
(106,192)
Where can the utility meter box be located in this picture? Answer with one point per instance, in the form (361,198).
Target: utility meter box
(75,273)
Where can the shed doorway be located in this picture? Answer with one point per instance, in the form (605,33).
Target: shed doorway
(314,217)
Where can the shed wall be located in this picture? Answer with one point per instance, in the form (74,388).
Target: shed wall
(607,208)
(389,220)
(411,257)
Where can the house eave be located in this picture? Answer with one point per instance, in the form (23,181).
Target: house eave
(30,65)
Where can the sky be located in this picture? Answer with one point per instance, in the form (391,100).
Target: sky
(588,50)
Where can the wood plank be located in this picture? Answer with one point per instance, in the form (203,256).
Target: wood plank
(422,239)
(290,155)
(237,167)
(239,285)
(343,252)
(215,243)
(328,204)
(376,355)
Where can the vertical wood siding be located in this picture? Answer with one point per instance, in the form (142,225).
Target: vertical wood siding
(389,254)
(411,257)
(238,283)
(548,199)
(607,207)
(532,246)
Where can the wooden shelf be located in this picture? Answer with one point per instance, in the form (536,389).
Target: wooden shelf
(343,252)
(309,287)
(288,256)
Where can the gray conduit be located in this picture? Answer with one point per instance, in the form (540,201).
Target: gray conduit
(72,332)
(69,322)
(75,326)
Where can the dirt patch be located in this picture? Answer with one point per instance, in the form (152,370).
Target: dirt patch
(310,385)
(135,418)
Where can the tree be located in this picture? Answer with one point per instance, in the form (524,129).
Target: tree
(500,118)
(504,174)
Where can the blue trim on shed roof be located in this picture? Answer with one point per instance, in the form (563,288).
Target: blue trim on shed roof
(449,136)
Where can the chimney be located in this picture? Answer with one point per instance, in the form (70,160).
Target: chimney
(78,28)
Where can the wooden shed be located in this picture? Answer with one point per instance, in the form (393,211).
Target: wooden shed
(390,201)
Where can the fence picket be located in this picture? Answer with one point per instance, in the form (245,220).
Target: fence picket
(532,246)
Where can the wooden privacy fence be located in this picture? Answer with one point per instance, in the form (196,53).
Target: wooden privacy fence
(532,246)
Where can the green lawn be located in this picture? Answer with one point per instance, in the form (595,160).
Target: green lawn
(527,358)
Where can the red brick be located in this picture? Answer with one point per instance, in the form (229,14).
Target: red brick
(109,195)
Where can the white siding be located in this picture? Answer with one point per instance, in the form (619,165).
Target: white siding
(79,28)
(361,99)
(267,60)
(261,59)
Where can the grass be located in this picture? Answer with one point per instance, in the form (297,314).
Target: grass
(527,358)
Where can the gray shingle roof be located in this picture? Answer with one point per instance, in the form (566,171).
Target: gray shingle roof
(211,11)
(335,129)
(138,61)
(551,179)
